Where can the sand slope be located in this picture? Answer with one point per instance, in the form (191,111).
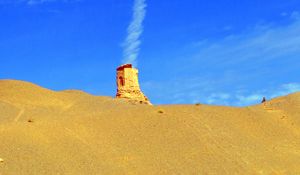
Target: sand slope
(45,132)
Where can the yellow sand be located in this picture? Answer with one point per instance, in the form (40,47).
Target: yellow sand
(43,132)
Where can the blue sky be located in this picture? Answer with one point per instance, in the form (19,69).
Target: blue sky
(217,52)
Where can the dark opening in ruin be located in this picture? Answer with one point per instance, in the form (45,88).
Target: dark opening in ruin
(122,81)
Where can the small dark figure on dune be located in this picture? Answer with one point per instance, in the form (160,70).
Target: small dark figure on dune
(264,100)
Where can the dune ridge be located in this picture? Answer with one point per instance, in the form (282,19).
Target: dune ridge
(72,132)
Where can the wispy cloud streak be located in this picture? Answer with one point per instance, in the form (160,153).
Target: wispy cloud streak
(132,42)
(238,70)
(34,2)
(262,44)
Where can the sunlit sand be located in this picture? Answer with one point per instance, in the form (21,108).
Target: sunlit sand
(71,132)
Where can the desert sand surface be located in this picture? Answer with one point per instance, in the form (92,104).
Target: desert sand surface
(44,132)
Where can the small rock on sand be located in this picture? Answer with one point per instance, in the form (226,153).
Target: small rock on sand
(1,160)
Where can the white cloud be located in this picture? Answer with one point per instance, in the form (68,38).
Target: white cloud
(242,100)
(256,97)
(246,98)
(218,98)
(34,2)
(200,91)
(295,15)
(286,89)
(283,14)
(132,42)
(239,69)
(264,43)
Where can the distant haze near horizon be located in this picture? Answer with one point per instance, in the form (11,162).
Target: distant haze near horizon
(213,52)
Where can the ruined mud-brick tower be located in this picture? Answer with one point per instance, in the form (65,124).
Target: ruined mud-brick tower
(128,85)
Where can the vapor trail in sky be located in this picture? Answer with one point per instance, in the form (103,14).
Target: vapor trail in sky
(135,29)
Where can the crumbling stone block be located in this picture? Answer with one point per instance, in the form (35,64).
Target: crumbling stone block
(128,85)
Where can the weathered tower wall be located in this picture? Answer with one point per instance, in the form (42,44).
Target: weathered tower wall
(128,84)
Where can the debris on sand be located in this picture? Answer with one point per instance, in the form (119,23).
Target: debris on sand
(161,111)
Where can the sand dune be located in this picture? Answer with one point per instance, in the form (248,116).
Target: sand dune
(71,132)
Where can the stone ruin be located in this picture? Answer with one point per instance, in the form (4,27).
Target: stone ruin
(128,85)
